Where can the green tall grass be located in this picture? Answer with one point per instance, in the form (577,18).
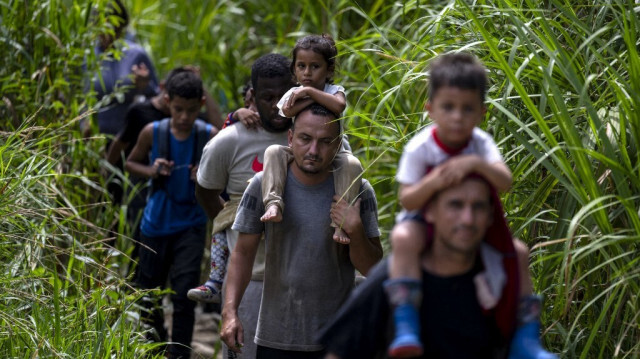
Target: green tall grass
(64,291)
(563,106)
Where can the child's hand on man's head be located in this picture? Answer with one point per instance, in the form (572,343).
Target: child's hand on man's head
(296,95)
(440,178)
(458,167)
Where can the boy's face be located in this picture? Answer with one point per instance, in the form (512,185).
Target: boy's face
(184,111)
(456,112)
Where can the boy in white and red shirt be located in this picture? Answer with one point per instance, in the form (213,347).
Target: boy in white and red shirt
(438,157)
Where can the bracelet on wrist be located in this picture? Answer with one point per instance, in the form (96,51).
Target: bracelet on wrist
(229,121)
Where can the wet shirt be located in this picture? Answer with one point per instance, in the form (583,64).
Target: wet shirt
(307,275)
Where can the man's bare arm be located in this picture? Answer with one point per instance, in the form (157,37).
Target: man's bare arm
(209,200)
(135,162)
(238,277)
(364,252)
(115,150)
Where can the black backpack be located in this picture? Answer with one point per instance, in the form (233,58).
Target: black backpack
(164,146)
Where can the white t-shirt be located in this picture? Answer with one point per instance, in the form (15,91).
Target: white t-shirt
(328,88)
(234,156)
(230,160)
(424,152)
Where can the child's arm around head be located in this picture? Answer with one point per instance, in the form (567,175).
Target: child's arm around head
(415,196)
(135,164)
(497,173)
(304,96)
(248,117)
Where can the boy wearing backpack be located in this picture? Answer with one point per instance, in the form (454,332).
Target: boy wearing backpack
(173,224)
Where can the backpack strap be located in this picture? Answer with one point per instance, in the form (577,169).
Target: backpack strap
(164,146)
(202,137)
(164,139)
(164,150)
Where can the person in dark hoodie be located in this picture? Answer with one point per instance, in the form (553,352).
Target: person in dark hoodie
(469,245)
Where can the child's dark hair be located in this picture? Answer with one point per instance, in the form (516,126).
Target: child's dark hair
(184,83)
(269,66)
(460,70)
(247,86)
(320,44)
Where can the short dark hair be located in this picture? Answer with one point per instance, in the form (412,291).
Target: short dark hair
(269,66)
(184,83)
(320,44)
(175,71)
(247,86)
(318,110)
(460,70)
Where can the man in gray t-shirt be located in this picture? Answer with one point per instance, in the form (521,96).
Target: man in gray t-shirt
(231,158)
(307,275)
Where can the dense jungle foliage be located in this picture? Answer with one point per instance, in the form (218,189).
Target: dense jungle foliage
(564,108)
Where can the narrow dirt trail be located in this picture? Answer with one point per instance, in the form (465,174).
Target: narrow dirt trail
(206,339)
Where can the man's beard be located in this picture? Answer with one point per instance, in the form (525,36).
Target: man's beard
(313,171)
(268,124)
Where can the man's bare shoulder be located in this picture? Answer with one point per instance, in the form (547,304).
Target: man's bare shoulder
(147,133)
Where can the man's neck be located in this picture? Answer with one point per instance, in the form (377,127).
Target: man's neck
(444,262)
(308,179)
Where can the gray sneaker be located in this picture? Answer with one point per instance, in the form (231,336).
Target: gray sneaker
(204,294)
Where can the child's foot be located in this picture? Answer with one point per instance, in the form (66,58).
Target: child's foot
(272,214)
(341,237)
(205,294)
